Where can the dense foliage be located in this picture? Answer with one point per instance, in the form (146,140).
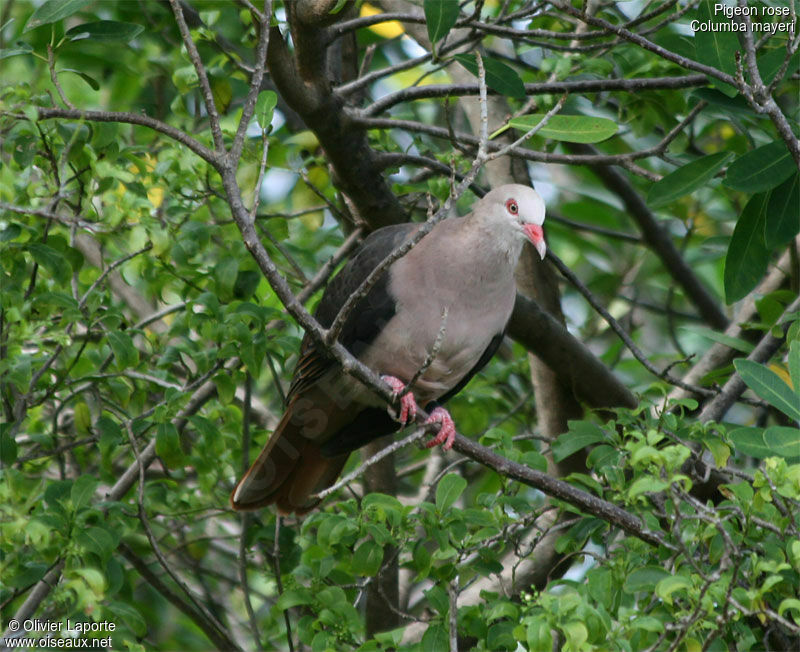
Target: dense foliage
(160,203)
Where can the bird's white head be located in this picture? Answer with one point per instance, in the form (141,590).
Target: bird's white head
(521,208)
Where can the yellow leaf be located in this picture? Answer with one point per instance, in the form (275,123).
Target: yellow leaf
(781,371)
(304,139)
(389,29)
(692,645)
(155,195)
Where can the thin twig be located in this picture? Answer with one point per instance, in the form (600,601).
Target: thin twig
(452,590)
(437,344)
(634,85)
(615,326)
(418,434)
(208,155)
(246,517)
(276,563)
(51,64)
(248,108)
(205,86)
(213,624)
(735,386)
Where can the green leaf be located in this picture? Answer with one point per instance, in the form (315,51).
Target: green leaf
(225,273)
(435,638)
(569,128)
(10,232)
(421,558)
(56,491)
(247,281)
(33,573)
(53,10)
(720,451)
(789,603)
(716,48)
(20,47)
(125,352)
(97,540)
(794,365)
(686,179)
(51,259)
(782,221)
(761,169)
(105,30)
(750,441)
(577,634)
(500,636)
(747,257)
(771,61)
(783,440)
(730,104)
(293,598)
(580,435)
(603,456)
(56,300)
(265,107)
(127,614)
(168,445)
(448,490)
(499,77)
(666,587)
(647,484)
(225,388)
(89,80)
(382,507)
(440,16)
(769,386)
(83,490)
(222,92)
(538,634)
(648,624)
(8,449)
(367,559)
(340,4)
(735,343)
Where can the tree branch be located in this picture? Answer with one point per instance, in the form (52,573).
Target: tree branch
(575,365)
(645,43)
(715,409)
(45,113)
(578,86)
(658,239)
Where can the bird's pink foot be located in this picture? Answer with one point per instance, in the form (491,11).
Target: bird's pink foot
(408,405)
(447,429)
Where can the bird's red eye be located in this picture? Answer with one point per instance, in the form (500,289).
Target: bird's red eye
(511,207)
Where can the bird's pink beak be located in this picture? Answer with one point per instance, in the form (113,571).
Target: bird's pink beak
(536,236)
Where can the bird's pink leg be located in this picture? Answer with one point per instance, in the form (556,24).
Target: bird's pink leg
(408,405)
(447,429)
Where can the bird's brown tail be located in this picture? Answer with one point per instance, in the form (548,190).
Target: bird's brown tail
(287,472)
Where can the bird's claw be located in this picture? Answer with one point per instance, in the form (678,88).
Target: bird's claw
(447,429)
(408,405)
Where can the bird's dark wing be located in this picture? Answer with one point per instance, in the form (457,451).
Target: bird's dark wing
(367,318)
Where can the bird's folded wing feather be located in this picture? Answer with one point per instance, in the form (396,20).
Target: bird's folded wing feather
(367,318)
